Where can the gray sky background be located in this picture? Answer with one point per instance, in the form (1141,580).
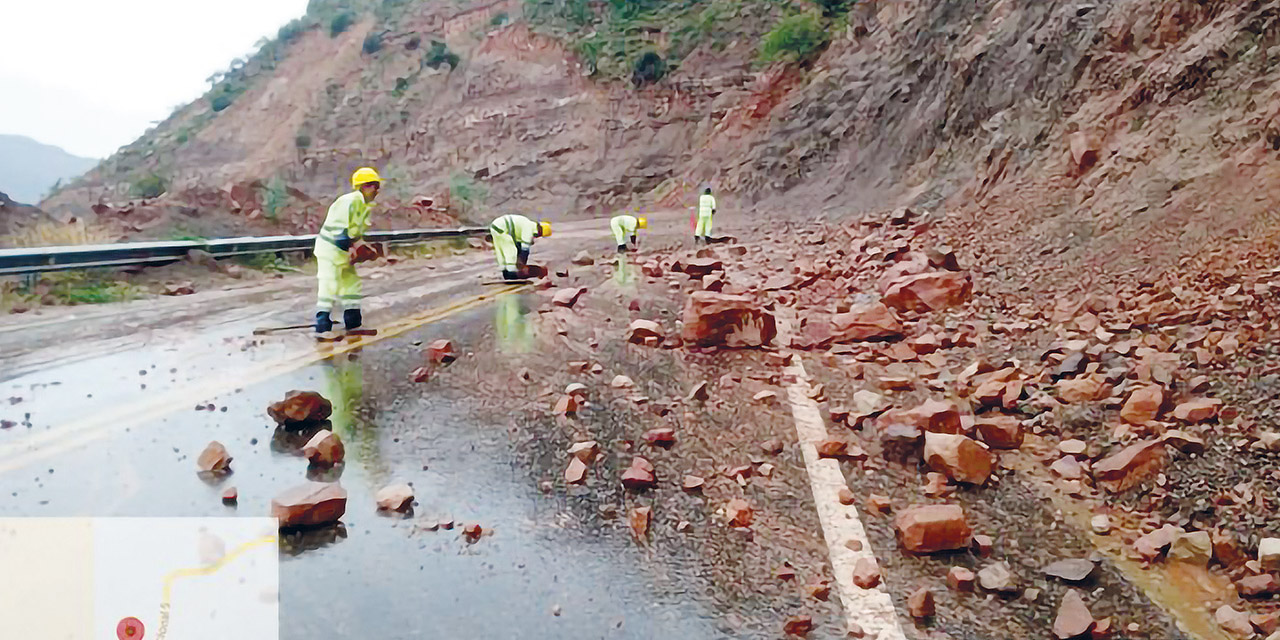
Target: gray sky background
(91,76)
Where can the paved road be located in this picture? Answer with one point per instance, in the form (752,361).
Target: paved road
(106,399)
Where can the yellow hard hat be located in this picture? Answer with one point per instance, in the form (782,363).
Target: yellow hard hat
(642,222)
(364,175)
(545,228)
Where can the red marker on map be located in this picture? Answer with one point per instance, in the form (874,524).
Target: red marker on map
(130,629)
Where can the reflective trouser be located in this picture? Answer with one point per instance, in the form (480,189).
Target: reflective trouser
(338,280)
(704,226)
(504,246)
(619,232)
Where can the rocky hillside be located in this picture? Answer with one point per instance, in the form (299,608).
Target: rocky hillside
(1071,140)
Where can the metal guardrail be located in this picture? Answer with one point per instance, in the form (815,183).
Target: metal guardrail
(39,259)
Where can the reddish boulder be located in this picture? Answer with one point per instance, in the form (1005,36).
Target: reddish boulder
(932,528)
(960,457)
(214,459)
(1130,465)
(1083,389)
(396,497)
(717,319)
(1143,404)
(1261,585)
(929,291)
(1000,431)
(1074,619)
(640,475)
(310,504)
(1234,622)
(1198,410)
(324,448)
(865,322)
(638,519)
(938,416)
(699,267)
(300,407)
(440,352)
(960,579)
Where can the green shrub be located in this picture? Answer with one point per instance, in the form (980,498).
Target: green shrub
(649,68)
(402,85)
(149,186)
(799,38)
(372,43)
(340,23)
(290,32)
(221,101)
(467,193)
(302,141)
(274,197)
(441,55)
(499,19)
(834,8)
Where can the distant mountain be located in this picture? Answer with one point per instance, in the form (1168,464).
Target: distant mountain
(28,169)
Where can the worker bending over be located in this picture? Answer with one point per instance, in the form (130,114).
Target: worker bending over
(706,208)
(513,236)
(625,226)
(336,246)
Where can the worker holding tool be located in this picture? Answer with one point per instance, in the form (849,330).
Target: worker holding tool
(706,209)
(513,236)
(339,246)
(625,226)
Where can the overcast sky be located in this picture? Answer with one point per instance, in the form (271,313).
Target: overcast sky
(91,76)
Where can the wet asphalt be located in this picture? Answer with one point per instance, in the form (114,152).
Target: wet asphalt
(113,429)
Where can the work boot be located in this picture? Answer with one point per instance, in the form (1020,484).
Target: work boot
(351,319)
(508,274)
(622,248)
(324,323)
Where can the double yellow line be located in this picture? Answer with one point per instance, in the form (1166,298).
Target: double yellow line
(78,433)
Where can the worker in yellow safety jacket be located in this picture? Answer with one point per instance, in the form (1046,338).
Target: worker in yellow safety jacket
(706,208)
(625,226)
(513,236)
(344,226)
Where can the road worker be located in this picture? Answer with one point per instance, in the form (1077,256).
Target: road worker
(625,226)
(337,244)
(706,209)
(513,236)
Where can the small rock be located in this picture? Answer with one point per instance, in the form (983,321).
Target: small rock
(1133,464)
(421,374)
(845,496)
(230,496)
(567,405)
(1073,447)
(642,330)
(1269,553)
(1198,410)
(300,407)
(324,448)
(1000,432)
(640,475)
(877,502)
(1194,548)
(663,437)
(214,459)
(622,382)
(585,451)
(1234,622)
(798,626)
(820,590)
(1143,405)
(765,397)
(960,579)
(692,483)
(1260,585)
(1074,619)
(982,545)
(638,519)
(920,603)
(567,297)
(832,448)
(998,577)
(771,447)
(396,497)
(960,457)
(576,472)
(932,528)
(441,352)
(1101,524)
(866,572)
(698,392)
(583,259)
(739,513)
(1071,570)
(472,533)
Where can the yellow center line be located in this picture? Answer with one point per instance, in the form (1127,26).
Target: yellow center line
(201,571)
(78,433)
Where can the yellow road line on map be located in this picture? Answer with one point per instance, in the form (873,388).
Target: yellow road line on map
(190,572)
(77,433)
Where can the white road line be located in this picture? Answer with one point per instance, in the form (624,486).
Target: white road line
(870,609)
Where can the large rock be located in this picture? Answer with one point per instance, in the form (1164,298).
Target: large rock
(1198,410)
(214,459)
(998,577)
(929,291)
(1269,553)
(1143,404)
(1194,548)
(938,416)
(699,267)
(300,407)
(920,603)
(310,504)
(1000,431)
(866,573)
(1234,622)
(1082,389)
(1071,569)
(642,330)
(717,319)
(960,457)
(1130,466)
(1260,585)
(1074,619)
(324,448)
(568,296)
(932,528)
(865,322)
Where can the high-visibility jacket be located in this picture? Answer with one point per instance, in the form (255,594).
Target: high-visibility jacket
(517,227)
(622,227)
(349,216)
(706,205)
